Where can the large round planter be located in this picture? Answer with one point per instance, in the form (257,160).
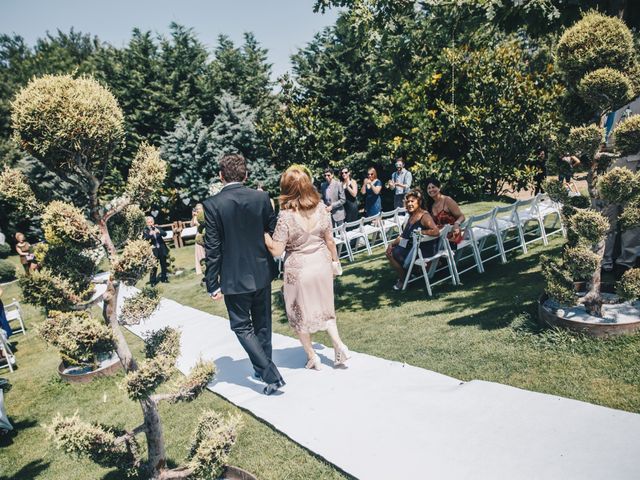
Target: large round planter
(234,473)
(107,368)
(547,316)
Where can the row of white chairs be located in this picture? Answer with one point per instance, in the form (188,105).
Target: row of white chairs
(507,226)
(13,312)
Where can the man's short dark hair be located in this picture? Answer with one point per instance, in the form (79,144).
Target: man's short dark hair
(233,167)
(329,170)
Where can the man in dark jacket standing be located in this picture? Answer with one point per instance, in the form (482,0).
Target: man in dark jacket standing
(155,235)
(239,265)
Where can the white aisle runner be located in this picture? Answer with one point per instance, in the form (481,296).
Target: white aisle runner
(380,419)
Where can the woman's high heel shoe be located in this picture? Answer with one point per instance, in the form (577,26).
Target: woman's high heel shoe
(342,355)
(314,363)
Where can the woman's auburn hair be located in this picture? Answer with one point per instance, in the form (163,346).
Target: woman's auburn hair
(297,191)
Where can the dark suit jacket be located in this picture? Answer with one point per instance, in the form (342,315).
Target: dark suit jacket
(163,251)
(235,222)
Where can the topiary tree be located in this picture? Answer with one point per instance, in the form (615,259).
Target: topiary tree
(73,126)
(582,255)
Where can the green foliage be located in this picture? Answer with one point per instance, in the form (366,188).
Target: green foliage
(16,192)
(45,289)
(67,122)
(629,285)
(64,224)
(619,185)
(630,217)
(559,285)
(77,266)
(139,307)
(163,342)
(126,225)
(590,226)
(5,250)
(627,136)
(581,261)
(191,386)
(585,140)
(595,42)
(146,175)
(151,373)
(95,442)
(79,337)
(7,271)
(556,190)
(606,89)
(136,260)
(211,443)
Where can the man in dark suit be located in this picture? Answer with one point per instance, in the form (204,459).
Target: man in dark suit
(239,265)
(155,235)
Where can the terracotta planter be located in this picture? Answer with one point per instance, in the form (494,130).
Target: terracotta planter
(605,329)
(234,473)
(108,368)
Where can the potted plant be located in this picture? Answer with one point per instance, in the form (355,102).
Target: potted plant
(74,125)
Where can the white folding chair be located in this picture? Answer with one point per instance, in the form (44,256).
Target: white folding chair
(477,230)
(506,221)
(390,226)
(373,229)
(340,239)
(355,235)
(527,212)
(549,208)
(442,251)
(401,217)
(13,311)
(7,360)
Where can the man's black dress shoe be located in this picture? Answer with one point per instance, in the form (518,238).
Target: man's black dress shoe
(273,387)
(165,280)
(256,375)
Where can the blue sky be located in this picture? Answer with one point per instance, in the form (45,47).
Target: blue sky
(282,26)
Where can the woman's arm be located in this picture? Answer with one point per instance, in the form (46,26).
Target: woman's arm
(275,248)
(429,227)
(353,188)
(376,188)
(20,252)
(331,244)
(454,209)
(364,187)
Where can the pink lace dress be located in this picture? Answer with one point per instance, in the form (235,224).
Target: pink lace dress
(308,276)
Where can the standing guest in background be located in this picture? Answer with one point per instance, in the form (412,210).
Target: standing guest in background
(540,165)
(176,228)
(566,166)
(23,248)
(199,249)
(155,235)
(333,197)
(350,187)
(444,210)
(400,183)
(371,188)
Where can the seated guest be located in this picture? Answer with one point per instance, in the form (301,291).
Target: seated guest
(371,188)
(444,210)
(176,228)
(419,219)
(155,235)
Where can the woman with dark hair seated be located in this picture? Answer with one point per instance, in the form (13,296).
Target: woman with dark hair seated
(419,219)
(444,210)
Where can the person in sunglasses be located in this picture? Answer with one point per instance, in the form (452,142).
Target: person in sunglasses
(333,197)
(400,183)
(350,187)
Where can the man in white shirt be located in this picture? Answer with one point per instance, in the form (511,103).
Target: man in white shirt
(400,182)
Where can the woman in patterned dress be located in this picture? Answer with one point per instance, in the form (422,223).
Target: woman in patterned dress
(304,232)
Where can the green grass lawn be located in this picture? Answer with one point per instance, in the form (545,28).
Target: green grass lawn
(483,329)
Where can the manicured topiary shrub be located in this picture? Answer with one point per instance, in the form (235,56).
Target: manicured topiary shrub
(7,271)
(5,250)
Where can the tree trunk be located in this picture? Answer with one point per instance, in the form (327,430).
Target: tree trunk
(591,183)
(110,314)
(593,298)
(157,457)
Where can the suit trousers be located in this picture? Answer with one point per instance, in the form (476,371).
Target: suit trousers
(250,319)
(163,270)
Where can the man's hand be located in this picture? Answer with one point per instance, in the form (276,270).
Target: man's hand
(217,296)
(328,208)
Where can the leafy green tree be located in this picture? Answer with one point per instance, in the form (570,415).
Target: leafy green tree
(74,126)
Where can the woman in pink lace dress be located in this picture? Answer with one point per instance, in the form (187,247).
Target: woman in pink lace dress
(304,232)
